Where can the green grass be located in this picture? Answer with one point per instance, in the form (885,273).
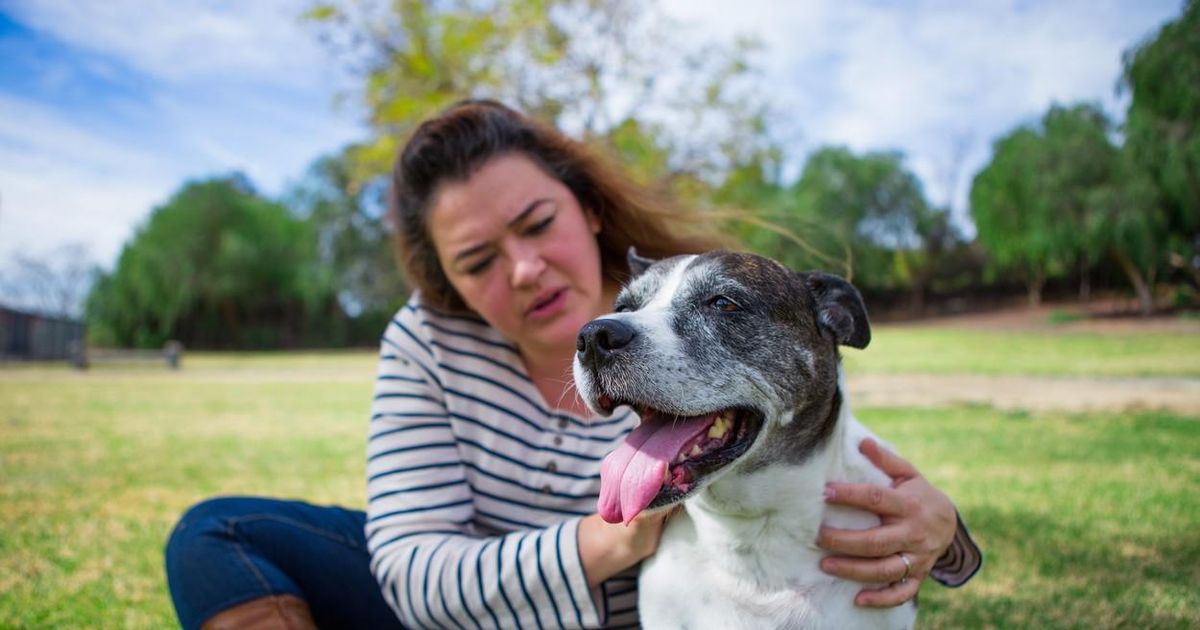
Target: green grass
(904,350)
(1086,520)
(96,467)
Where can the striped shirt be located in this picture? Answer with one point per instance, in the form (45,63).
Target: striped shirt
(476,486)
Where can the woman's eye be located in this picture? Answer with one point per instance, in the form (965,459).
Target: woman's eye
(480,266)
(724,304)
(540,226)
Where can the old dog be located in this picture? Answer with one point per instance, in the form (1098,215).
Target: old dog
(732,362)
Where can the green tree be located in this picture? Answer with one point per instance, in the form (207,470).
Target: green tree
(1021,238)
(1125,221)
(353,242)
(216,266)
(1162,129)
(868,210)
(614,73)
(1059,196)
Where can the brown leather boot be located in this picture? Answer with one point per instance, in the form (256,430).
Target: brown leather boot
(275,612)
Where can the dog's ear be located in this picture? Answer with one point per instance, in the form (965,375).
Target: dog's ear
(637,264)
(839,308)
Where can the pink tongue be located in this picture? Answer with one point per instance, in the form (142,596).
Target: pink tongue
(631,476)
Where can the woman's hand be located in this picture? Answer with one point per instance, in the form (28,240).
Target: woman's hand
(606,549)
(917,520)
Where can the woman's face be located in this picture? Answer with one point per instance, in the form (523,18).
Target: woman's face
(516,245)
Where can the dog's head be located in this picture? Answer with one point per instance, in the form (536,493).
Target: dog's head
(729,358)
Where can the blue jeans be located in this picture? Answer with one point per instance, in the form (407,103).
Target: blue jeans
(229,550)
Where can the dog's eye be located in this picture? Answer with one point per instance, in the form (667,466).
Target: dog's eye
(724,304)
(622,308)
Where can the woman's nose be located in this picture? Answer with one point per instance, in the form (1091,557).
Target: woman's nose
(528,265)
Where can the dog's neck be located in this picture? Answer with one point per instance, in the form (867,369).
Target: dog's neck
(760,490)
(767,517)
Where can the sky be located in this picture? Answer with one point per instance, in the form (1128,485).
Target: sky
(106,108)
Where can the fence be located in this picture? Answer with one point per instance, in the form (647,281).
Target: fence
(33,337)
(170,355)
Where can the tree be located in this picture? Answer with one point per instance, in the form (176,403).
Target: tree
(353,241)
(868,210)
(1162,129)
(216,266)
(1125,221)
(55,285)
(1058,196)
(603,71)
(1018,232)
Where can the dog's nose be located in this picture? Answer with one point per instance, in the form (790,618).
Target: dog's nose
(600,338)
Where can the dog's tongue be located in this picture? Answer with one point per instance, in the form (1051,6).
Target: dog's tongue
(631,476)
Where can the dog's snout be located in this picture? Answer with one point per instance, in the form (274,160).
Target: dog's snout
(601,338)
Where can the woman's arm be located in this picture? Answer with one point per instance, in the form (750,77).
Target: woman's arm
(433,567)
(916,519)
(606,549)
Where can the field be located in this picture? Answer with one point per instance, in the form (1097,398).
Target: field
(1087,520)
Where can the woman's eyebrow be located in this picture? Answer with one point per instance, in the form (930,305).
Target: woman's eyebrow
(475,249)
(528,209)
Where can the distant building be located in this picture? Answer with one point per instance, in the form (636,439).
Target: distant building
(28,336)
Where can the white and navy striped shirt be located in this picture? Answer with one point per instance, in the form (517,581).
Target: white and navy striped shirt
(476,486)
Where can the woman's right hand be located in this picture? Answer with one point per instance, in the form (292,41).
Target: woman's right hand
(606,549)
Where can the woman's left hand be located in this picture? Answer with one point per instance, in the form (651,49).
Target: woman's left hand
(917,520)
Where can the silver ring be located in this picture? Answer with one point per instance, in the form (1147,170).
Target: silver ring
(907,567)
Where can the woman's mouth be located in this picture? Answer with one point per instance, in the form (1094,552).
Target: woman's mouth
(547,304)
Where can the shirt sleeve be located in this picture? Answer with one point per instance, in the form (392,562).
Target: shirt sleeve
(960,562)
(433,570)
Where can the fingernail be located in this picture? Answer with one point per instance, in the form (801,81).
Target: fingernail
(829,492)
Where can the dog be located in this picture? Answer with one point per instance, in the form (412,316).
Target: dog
(732,362)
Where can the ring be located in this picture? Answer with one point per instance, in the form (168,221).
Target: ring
(907,567)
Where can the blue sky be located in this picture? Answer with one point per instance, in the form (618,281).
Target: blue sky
(107,107)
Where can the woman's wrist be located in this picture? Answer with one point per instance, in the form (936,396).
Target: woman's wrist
(960,561)
(607,549)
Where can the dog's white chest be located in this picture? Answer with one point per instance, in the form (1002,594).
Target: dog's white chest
(720,572)
(685,585)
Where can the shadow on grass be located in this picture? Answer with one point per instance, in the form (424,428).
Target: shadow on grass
(1048,570)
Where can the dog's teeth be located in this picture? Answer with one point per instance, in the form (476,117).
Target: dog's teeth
(720,427)
(695,451)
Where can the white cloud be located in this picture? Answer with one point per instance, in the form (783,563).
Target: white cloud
(62,183)
(143,96)
(218,86)
(182,41)
(921,76)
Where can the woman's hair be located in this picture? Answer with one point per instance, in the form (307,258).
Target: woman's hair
(453,145)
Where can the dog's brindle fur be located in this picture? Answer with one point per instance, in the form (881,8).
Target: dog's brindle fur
(743,554)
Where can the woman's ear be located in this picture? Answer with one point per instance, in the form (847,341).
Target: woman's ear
(593,220)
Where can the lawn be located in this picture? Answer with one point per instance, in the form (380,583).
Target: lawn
(925,350)
(1087,520)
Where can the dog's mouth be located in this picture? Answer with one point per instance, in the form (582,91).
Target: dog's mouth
(667,456)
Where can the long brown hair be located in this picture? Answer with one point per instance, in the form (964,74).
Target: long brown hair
(453,145)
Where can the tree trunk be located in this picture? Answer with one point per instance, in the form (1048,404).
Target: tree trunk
(916,303)
(1140,287)
(1035,289)
(229,314)
(1085,281)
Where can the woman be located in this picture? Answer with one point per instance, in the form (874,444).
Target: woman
(483,466)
